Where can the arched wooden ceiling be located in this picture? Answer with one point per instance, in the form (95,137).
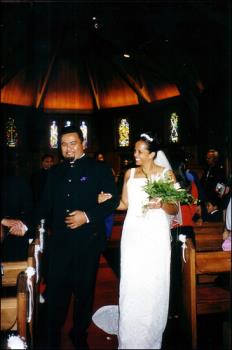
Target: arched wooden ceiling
(57,57)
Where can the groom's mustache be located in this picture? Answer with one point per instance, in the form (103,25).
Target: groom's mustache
(69,159)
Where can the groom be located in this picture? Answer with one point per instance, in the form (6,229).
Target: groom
(78,234)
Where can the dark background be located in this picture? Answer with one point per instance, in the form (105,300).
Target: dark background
(183,41)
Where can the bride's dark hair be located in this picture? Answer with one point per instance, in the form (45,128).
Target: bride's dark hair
(151,140)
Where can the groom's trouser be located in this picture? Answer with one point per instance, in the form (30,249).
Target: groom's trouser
(73,268)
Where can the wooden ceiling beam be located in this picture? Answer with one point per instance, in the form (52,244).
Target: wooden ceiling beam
(93,87)
(42,87)
(7,76)
(140,91)
(11,67)
(157,70)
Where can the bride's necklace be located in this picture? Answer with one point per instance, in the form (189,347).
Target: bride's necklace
(146,174)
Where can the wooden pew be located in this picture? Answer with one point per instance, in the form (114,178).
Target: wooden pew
(209,227)
(11,269)
(14,310)
(198,297)
(9,305)
(208,236)
(209,242)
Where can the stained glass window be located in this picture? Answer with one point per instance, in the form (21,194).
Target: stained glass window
(174,125)
(123,132)
(84,130)
(53,135)
(67,123)
(11,133)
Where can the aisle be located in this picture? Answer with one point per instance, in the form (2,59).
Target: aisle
(106,293)
(210,327)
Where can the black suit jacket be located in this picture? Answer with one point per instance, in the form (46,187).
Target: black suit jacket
(16,203)
(76,186)
(16,199)
(38,181)
(217,216)
(210,177)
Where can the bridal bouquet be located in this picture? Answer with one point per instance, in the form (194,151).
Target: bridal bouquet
(168,191)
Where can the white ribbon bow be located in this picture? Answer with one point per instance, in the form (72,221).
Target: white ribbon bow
(182,238)
(30,271)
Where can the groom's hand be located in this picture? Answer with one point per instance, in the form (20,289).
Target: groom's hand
(75,219)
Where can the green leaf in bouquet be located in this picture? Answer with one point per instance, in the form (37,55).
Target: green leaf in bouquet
(166,190)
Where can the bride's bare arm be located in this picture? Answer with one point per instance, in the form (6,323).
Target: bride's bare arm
(123,204)
(169,208)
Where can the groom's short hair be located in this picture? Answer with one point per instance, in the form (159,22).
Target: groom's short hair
(70,129)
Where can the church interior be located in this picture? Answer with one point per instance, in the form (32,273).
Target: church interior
(116,70)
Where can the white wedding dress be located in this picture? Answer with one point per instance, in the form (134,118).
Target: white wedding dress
(141,317)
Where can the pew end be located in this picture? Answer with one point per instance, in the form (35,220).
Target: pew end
(202,296)
(14,309)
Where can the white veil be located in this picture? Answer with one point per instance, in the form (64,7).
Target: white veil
(163,161)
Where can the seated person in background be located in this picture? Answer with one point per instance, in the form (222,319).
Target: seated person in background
(213,173)
(101,158)
(16,217)
(39,177)
(214,213)
(193,176)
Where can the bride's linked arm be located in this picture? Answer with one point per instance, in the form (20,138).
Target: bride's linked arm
(123,205)
(155,203)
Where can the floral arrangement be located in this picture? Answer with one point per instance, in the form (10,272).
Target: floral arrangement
(168,191)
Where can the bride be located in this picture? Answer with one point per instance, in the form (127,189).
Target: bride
(141,316)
